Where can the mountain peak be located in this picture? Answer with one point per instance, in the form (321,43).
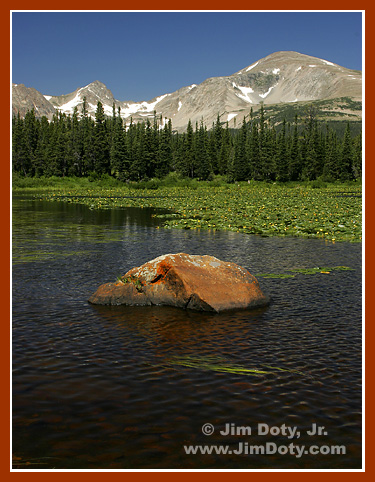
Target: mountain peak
(281,77)
(288,57)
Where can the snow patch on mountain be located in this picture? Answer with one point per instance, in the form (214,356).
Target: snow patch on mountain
(69,106)
(231,116)
(326,62)
(252,66)
(298,77)
(141,106)
(245,92)
(268,91)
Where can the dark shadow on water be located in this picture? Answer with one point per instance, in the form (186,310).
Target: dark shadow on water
(98,387)
(178,326)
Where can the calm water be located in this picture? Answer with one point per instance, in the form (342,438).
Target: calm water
(122,388)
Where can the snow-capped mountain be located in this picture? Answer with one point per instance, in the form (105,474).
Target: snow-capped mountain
(282,77)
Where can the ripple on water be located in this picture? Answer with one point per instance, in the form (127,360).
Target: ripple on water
(121,387)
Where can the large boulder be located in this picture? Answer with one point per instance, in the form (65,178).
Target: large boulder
(188,281)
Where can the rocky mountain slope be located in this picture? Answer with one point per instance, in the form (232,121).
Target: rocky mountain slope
(282,78)
(27,98)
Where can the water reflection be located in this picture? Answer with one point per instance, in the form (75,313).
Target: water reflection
(128,387)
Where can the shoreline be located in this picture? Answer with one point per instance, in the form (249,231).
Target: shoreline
(332,212)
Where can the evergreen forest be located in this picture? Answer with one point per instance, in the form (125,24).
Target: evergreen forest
(78,145)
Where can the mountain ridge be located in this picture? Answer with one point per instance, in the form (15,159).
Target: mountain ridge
(284,77)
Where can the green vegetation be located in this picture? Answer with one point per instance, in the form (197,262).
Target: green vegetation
(131,279)
(294,179)
(265,147)
(322,270)
(312,210)
(324,111)
(222,365)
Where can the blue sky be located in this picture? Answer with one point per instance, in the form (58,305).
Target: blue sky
(140,55)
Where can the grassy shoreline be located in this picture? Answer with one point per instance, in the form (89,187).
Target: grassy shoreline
(310,210)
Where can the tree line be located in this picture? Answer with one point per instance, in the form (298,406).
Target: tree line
(78,145)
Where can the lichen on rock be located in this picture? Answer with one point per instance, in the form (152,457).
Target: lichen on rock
(202,283)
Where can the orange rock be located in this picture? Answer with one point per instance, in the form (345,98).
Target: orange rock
(201,283)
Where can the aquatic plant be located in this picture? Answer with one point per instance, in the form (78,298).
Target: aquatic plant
(254,208)
(219,364)
(322,270)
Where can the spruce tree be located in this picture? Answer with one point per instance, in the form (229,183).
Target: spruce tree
(20,158)
(202,170)
(255,167)
(76,142)
(282,156)
(117,151)
(330,170)
(357,157)
(138,167)
(225,153)
(295,160)
(346,158)
(188,163)
(42,149)
(101,146)
(150,148)
(31,141)
(240,166)
(215,141)
(164,155)
(86,126)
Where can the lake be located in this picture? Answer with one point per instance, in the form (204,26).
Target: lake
(140,387)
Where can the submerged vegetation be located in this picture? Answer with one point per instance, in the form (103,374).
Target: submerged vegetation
(330,211)
(322,270)
(222,365)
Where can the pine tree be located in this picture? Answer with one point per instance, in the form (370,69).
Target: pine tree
(225,154)
(150,149)
(330,170)
(346,159)
(202,170)
(295,160)
(130,135)
(240,166)
(42,149)
(76,143)
(118,161)
(164,157)
(20,158)
(255,167)
(138,167)
(268,155)
(215,141)
(86,126)
(188,163)
(282,156)
(31,141)
(357,157)
(101,147)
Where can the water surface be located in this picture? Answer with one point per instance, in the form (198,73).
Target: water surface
(122,387)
